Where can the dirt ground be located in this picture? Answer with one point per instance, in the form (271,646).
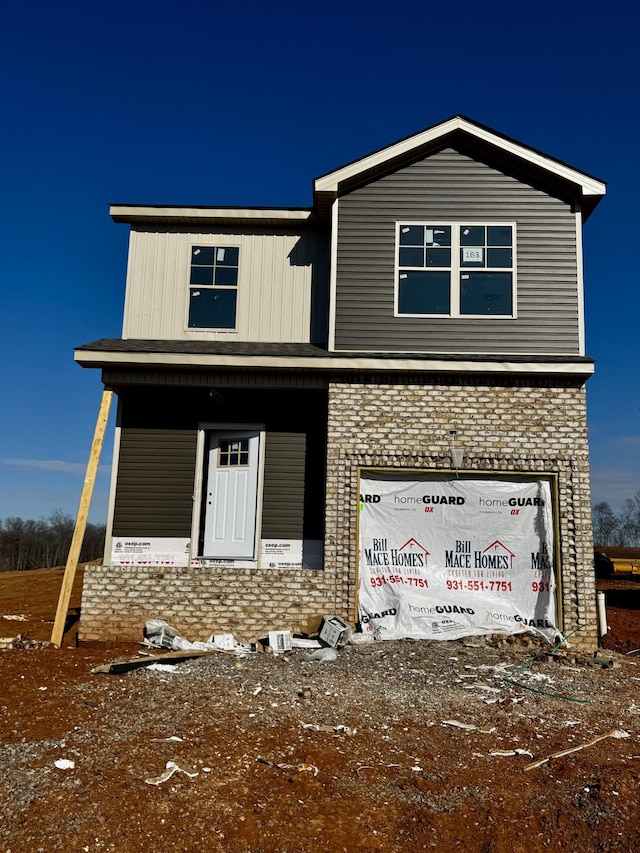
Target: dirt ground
(403,776)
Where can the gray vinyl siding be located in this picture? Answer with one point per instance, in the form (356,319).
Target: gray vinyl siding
(283,496)
(452,187)
(156,470)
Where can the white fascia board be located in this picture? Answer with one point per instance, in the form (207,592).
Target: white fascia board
(331,182)
(362,363)
(580,283)
(333,275)
(127,212)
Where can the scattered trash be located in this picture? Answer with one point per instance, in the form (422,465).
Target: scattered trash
(358,638)
(417,769)
(299,768)
(615,733)
(632,652)
(538,677)
(372,767)
(280,642)
(21,641)
(162,667)
(508,752)
(226,642)
(64,764)
(338,730)
(468,727)
(324,655)
(161,635)
(457,725)
(257,690)
(524,686)
(477,685)
(334,631)
(172,739)
(16,617)
(305,643)
(170,768)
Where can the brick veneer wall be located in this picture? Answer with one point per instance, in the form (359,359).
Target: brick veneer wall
(197,602)
(519,426)
(522,426)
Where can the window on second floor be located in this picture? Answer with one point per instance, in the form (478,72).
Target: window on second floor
(213,287)
(455,270)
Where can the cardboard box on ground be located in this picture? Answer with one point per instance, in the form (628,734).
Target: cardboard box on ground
(333,631)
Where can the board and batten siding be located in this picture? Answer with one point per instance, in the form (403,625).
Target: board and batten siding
(155,484)
(451,187)
(281,280)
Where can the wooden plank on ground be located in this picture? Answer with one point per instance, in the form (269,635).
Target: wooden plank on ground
(136,663)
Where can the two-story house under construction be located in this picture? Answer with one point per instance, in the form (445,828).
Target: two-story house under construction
(373,407)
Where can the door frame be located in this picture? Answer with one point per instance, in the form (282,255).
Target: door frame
(204,428)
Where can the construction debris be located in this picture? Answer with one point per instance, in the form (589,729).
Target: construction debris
(299,768)
(454,724)
(170,768)
(509,752)
(162,636)
(336,730)
(324,655)
(23,642)
(121,666)
(334,632)
(615,733)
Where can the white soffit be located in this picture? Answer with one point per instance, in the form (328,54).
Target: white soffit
(90,358)
(331,181)
(128,212)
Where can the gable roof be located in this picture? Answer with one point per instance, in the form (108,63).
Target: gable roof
(456,128)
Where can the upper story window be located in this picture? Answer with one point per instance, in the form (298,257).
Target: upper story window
(213,287)
(455,270)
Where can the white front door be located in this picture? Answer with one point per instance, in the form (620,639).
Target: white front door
(232,494)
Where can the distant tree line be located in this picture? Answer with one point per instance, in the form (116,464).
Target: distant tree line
(29,544)
(621,529)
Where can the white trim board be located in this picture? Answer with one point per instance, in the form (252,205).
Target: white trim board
(331,181)
(134,212)
(424,365)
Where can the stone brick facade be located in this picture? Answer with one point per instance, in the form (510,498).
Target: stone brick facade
(197,602)
(521,425)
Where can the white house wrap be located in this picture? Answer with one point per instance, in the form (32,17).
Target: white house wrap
(446,556)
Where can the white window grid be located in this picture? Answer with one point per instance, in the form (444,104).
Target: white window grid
(456,269)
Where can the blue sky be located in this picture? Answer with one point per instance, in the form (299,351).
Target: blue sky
(204,103)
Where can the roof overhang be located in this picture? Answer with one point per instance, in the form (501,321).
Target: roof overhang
(146,214)
(352,363)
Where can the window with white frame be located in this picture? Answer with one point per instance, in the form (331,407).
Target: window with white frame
(455,270)
(213,287)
